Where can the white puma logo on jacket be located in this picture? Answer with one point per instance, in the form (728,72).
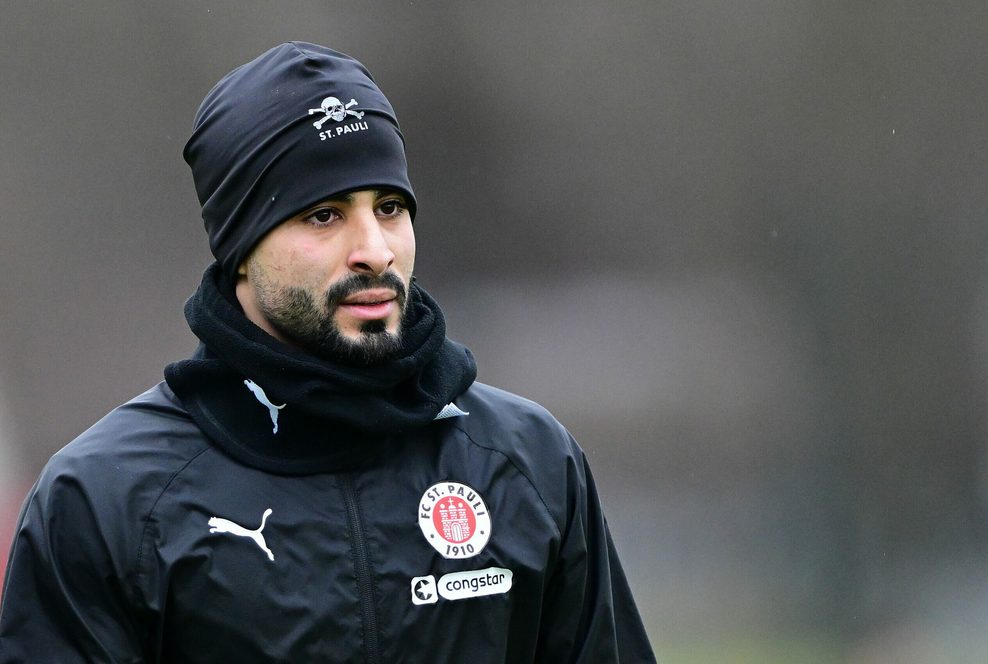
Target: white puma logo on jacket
(263,398)
(220,525)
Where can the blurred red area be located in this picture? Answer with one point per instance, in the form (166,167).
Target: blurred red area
(10,505)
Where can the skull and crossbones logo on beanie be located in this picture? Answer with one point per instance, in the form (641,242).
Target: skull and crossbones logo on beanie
(334,110)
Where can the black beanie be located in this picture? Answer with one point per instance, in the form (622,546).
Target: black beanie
(297,125)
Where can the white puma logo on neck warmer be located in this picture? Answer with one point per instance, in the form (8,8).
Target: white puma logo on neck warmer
(263,398)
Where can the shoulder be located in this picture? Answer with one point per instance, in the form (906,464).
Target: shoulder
(152,429)
(127,457)
(511,422)
(528,435)
(88,514)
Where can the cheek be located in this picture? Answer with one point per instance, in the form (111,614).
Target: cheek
(306,264)
(410,260)
(405,253)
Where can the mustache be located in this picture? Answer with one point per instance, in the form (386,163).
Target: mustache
(357,282)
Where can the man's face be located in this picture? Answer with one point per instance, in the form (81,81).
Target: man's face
(334,279)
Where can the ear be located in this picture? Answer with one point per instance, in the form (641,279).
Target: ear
(242,269)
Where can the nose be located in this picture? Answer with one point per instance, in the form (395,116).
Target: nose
(370,253)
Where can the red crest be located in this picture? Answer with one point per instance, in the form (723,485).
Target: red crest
(454,519)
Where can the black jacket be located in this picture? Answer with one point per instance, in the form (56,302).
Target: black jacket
(477,538)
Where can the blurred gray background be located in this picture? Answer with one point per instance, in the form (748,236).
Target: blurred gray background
(738,248)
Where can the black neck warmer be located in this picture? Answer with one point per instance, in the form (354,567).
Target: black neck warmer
(320,413)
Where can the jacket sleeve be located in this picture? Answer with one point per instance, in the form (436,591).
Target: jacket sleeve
(589,615)
(65,599)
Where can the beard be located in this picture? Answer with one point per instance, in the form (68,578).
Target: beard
(295,313)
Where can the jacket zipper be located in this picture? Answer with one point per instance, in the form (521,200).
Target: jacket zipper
(362,568)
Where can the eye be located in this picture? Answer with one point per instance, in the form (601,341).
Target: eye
(322,216)
(391,207)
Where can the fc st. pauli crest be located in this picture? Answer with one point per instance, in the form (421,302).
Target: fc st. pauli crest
(454,520)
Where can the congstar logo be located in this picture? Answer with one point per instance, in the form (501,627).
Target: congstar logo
(461,585)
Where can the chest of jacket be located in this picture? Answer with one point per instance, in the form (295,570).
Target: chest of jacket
(430,545)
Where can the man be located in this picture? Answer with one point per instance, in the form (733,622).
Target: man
(323,480)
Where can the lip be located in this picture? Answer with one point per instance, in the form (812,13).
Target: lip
(370,304)
(370,296)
